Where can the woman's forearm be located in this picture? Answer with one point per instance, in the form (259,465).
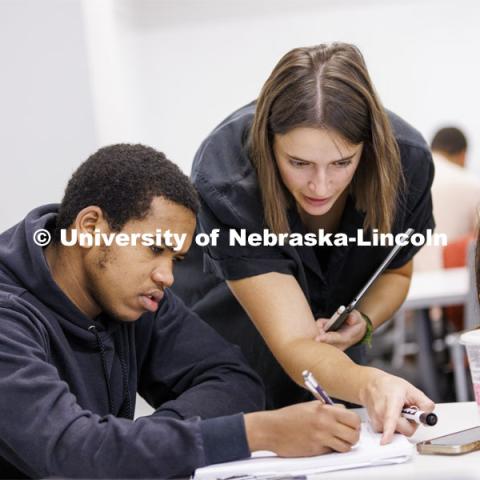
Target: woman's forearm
(333,369)
(279,310)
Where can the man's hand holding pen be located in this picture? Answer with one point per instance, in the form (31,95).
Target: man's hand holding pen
(304,429)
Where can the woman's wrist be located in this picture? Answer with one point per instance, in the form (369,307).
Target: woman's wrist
(367,337)
(368,377)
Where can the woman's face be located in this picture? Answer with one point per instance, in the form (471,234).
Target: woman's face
(316,166)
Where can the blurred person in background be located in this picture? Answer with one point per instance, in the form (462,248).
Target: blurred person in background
(451,143)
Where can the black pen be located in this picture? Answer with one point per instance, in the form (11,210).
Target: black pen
(419,416)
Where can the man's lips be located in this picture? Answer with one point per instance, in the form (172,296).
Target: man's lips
(151,299)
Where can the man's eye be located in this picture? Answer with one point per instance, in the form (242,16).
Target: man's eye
(156,250)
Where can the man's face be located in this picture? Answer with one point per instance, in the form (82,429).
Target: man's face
(127,281)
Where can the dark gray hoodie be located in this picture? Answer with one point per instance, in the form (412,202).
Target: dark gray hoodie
(67,392)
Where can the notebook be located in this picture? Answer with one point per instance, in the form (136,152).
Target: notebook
(366,453)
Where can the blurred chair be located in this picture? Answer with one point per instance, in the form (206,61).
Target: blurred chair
(438,288)
(471,320)
(443,278)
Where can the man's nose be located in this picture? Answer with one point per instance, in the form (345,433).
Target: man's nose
(163,275)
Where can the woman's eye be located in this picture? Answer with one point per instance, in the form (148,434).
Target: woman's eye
(156,250)
(343,163)
(297,163)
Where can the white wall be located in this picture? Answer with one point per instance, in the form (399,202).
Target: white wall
(77,74)
(46,106)
(184,65)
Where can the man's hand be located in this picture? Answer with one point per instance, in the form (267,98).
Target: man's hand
(384,396)
(304,429)
(350,333)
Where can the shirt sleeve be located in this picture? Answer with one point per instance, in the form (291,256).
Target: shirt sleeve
(232,259)
(44,432)
(414,208)
(189,369)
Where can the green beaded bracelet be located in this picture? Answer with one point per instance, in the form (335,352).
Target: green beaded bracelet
(367,338)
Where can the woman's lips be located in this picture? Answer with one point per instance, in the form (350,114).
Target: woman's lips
(316,202)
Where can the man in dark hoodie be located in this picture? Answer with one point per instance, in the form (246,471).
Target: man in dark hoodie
(84,326)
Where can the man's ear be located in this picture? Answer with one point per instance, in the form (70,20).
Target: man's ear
(89,220)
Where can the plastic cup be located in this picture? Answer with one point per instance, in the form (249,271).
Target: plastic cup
(471,340)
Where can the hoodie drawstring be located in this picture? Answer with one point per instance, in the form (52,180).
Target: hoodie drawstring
(101,348)
(126,408)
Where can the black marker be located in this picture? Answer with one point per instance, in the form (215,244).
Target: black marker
(419,416)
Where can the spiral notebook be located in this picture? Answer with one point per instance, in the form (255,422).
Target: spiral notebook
(366,453)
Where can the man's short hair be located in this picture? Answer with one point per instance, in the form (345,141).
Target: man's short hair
(450,140)
(122,180)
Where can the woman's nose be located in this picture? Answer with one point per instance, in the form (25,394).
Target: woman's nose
(319,183)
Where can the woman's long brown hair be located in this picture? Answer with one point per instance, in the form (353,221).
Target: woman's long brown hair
(327,86)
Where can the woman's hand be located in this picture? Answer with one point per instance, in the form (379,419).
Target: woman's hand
(350,333)
(384,396)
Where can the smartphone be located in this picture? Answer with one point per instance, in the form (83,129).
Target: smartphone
(452,444)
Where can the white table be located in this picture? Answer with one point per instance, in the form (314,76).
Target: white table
(451,418)
(438,288)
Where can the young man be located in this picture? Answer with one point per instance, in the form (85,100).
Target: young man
(89,320)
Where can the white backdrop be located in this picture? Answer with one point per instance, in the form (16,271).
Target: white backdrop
(85,73)
(46,107)
(184,65)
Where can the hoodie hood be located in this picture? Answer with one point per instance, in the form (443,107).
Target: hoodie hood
(24,270)
(26,280)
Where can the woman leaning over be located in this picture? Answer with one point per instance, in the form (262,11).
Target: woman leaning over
(317,150)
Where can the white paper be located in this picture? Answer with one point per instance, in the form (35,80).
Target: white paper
(367,452)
